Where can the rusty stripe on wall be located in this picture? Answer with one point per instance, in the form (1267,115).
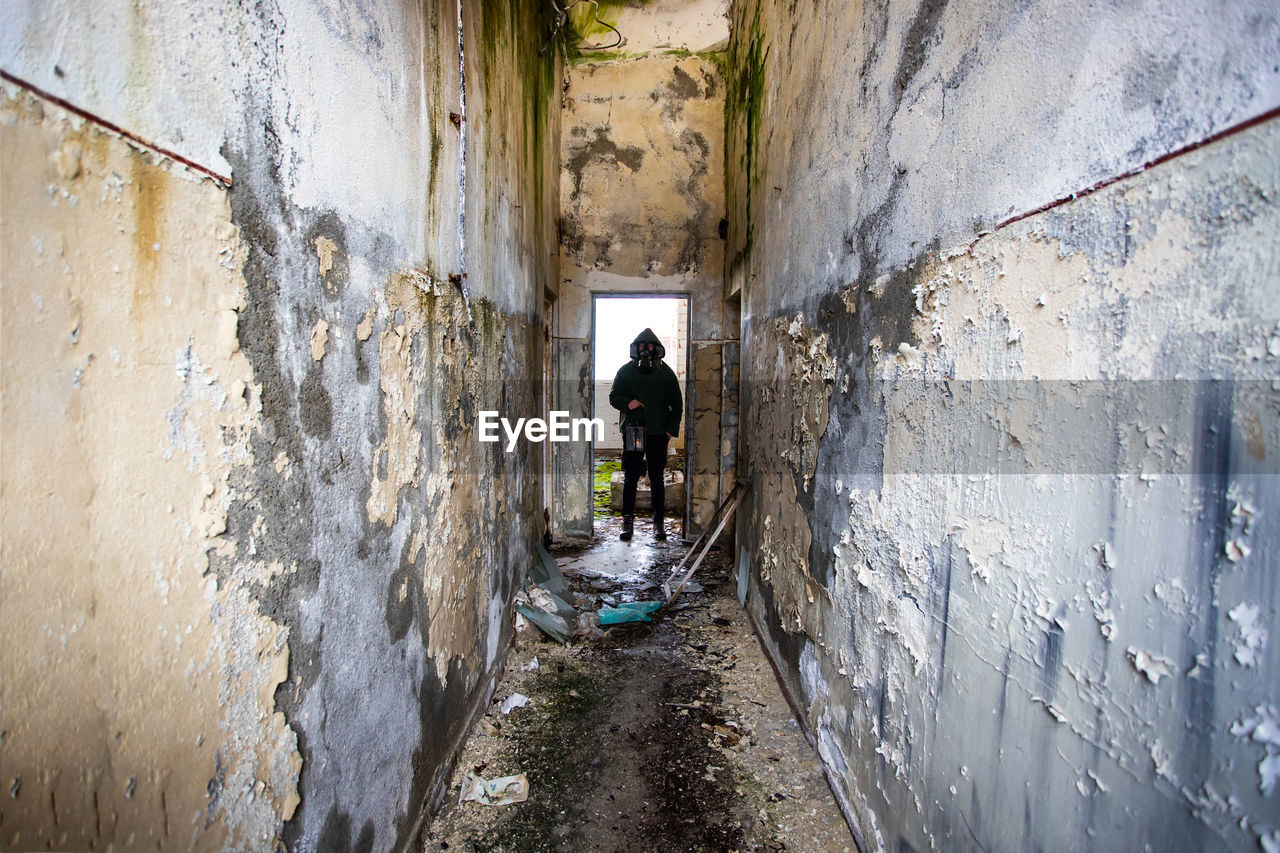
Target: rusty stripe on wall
(223,180)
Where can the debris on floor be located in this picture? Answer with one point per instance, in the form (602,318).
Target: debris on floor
(662,735)
(546,573)
(676,581)
(631,611)
(551,624)
(494,792)
(545,603)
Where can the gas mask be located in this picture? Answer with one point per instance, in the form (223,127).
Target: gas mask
(646,361)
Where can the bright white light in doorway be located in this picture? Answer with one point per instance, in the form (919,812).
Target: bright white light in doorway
(620,319)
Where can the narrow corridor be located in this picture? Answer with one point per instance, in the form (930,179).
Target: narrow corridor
(974,310)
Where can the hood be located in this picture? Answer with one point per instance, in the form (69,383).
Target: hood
(647,336)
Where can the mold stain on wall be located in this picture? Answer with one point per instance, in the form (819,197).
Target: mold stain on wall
(787,416)
(639,196)
(950,589)
(457,381)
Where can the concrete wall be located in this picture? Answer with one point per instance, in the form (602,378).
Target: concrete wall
(1015,475)
(257,568)
(641,193)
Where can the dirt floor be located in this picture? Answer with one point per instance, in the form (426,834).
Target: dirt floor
(670,735)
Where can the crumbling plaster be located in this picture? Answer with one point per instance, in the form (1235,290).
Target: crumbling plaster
(284,419)
(1010,564)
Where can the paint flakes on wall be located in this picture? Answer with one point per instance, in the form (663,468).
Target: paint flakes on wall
(259,766)
(153,657)
(396,459)
(1264,730)
(325,249)
(319,339)
(1152,666)
(1051,397)
(812,374)
(788,415)
(427,359)
(1100,602)
(1253,636)
(365,328)
(166,722)
(1236,550)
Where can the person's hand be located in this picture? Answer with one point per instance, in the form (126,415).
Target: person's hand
(671,435)
(635,404)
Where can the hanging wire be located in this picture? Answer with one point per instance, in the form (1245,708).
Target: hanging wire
(598,21)
(562,18)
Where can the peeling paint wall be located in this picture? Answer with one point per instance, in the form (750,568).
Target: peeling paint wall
(641,192)
(257,567)
(1015,472)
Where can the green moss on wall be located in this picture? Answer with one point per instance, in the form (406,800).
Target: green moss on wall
(598,56)
(720,58)
(490,323)
(593,21)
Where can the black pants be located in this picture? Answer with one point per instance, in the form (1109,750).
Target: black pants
(633,465)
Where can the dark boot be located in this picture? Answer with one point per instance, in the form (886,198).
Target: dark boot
(659,531)
(628,523)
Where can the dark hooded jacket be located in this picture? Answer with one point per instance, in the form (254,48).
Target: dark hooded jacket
(657,389)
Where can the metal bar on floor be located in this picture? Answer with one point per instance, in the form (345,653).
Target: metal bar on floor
(703,545)
(698,542)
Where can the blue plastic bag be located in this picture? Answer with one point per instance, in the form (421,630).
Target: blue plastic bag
(631,611)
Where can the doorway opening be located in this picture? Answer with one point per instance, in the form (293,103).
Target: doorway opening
(616,320)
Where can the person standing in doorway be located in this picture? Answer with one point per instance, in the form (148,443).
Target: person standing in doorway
(647,394)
